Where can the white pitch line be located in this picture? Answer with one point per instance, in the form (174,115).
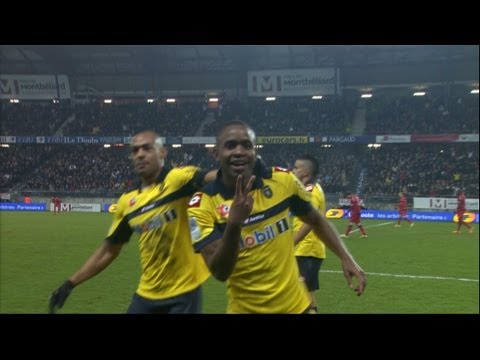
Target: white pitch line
(408,276)
(368,227)
(403,276)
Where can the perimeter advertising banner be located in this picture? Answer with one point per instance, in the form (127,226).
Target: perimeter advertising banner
(6,206)
(34,87)
(436,203)
(413,215)
(294,82)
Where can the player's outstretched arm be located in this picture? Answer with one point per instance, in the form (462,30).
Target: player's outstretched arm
(97,262)
(329,235)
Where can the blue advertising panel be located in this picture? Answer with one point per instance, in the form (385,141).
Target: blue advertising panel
(23,207)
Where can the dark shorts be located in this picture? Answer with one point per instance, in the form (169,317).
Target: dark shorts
(309,267)
(188,303)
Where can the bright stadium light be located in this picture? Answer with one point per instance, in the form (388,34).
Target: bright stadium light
(5,145)
(366,96)
(107,101)
(210,145)
(474,91)
(419,93)
(270,98)
(213,100)
(14,101)
(316,97)
(171,100)
(150,101)
(106,146)
(176,145)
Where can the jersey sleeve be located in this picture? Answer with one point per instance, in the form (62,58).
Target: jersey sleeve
(300,200)
(318,198)
(191,176)
(202,221)
(120,231)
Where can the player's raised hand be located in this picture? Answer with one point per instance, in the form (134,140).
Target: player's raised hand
(242,203)
(59,296)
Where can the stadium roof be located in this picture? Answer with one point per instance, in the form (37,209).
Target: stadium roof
(144,59)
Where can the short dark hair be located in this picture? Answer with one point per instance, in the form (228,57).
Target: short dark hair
(313,163)
(235,123)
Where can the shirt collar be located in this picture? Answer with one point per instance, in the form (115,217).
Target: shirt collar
(259,170)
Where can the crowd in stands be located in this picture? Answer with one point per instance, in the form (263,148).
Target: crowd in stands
(426,169)
(421,169)
(291,116)
(32,119)
(422,115)
(285,116)
(128,119)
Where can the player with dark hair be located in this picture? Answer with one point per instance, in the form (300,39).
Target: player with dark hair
(172,274)
(355,216)
(309,249)
(240,224)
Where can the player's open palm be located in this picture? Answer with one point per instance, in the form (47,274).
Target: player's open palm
(242,203)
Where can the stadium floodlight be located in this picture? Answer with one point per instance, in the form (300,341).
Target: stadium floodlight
(171,100)
(107,101)
(209,145)
(176,145)
(14,101)
(5,145)
(213,100)
(316,97)
(150,101)
(106,146)
(270,98)
(474,91)
(366,96)
(419,93)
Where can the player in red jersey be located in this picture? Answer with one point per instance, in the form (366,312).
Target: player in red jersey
(460,212)
(56,204)
(402,210)
(355,211)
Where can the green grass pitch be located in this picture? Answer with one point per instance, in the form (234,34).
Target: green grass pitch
(421,270)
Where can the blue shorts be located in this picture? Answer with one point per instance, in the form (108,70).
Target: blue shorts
(309,267)
(187,303)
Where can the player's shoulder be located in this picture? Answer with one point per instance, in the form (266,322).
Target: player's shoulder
(310,187)
(183,173)
(276,169)
(184,169)
(277,172)
(127,199)
(128,193)
(317,188)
